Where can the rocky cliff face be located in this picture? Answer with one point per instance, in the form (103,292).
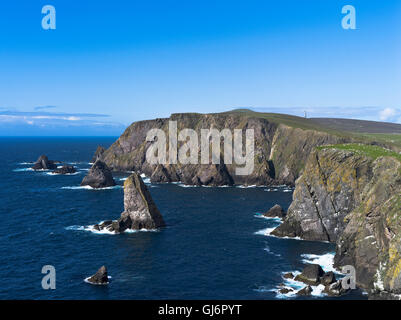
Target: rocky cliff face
(353,199)
(279,156)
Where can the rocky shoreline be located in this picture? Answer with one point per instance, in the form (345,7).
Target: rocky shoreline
(352,200)
(340,196)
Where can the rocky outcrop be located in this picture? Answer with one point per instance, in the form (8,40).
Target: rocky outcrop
(280,150)
(140,212)
(275,212)
(43,163)
(65,170)
(325,194)
(353,198)
(100,277)
(99,176)
(311,274)
(306,291)
(98,154)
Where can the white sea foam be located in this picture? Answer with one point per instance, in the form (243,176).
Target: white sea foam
(91,228)
(245,187)
(317,291)
(267,232)
(26,163)
(90,188)
(60,174)
(267,249)
(275,219)
(23,170)
(326,261)
(186,185)
(96,284)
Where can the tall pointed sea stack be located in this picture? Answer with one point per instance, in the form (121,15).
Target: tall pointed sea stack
(140,212)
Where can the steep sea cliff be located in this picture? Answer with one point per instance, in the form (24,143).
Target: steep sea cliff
(351,195)
(280,150)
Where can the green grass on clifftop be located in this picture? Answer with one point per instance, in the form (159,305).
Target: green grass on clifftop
(391,140)
(368,150)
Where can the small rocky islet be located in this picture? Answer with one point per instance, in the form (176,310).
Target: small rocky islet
(99,176)
(99,278)
(44,164)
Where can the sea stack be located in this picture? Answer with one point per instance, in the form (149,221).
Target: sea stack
(99,176)
(43,163)
(100,277)
(98,154)
(275,212)
(140,212)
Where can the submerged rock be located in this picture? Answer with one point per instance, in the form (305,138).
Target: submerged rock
(65,170)
(307,291)
(140,212)
(288,275)
(285,290)
(100,277)
(275,212)
(99,176)
(335,289)
(43,163)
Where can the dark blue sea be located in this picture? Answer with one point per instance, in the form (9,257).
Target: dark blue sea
(216,245)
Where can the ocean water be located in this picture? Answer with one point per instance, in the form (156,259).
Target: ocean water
(215,246)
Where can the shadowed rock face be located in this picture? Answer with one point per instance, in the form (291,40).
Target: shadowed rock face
(140,212)
(43,163)
(99,176)
(311,274)
(280,151)
(325,194)
(354,200)
(65,170)
(98,154)
(100,277)
(275,212)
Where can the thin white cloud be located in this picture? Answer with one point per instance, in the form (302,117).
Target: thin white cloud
(372,113)
(388,114)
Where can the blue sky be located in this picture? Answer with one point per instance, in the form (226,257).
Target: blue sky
(109,63)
